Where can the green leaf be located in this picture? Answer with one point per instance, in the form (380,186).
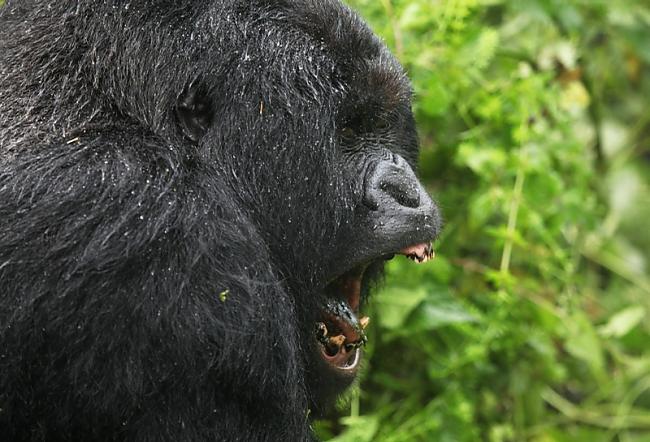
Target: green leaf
(622,322)
(583,342)
(483,160)
(395,304)
(478,52)
(432,315)
(433,97)
(415,17)
(359,429)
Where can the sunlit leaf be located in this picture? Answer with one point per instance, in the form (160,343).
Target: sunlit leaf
(622,322)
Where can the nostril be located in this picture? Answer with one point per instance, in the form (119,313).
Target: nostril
(389,185)
(403,191)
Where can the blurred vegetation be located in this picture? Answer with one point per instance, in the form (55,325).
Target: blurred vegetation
(531,324)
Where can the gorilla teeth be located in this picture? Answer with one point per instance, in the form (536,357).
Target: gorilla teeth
(321,333)
(418,259)
(333,344)
(419,253)
(337,340)
(421,259)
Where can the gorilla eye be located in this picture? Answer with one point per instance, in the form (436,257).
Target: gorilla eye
(348,134)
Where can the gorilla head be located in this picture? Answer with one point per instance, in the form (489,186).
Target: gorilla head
(195,198)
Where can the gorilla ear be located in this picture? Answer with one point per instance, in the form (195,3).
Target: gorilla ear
(194,112)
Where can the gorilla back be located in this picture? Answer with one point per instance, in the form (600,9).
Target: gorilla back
(195,199)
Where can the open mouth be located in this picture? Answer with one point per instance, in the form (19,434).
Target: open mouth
(340,331)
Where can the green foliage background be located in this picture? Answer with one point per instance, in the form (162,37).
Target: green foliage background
(531,324)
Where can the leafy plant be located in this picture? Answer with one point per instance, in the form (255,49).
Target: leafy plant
(531,324)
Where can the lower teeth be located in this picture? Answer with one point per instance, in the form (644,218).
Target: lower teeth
(337,340)
(334,344)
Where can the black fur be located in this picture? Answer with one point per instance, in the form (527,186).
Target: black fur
(174,197)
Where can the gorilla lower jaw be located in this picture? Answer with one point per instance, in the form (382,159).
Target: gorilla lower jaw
(341,333)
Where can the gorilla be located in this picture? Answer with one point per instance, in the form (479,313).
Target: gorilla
(196,197)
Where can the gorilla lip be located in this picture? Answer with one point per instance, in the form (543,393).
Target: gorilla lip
(341,333)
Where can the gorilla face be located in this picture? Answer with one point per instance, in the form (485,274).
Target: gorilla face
(391,213)
(343,177)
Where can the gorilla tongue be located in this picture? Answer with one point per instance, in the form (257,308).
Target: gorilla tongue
(420,253)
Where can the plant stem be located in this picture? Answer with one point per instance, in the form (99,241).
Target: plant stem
(512,219)
(354,403)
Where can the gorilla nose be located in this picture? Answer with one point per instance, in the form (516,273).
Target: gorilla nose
(393,183)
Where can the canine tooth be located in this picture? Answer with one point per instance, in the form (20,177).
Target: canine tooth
(364,322)
(338,340)
(322,329)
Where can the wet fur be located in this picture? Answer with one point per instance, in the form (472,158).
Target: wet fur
(153,288)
